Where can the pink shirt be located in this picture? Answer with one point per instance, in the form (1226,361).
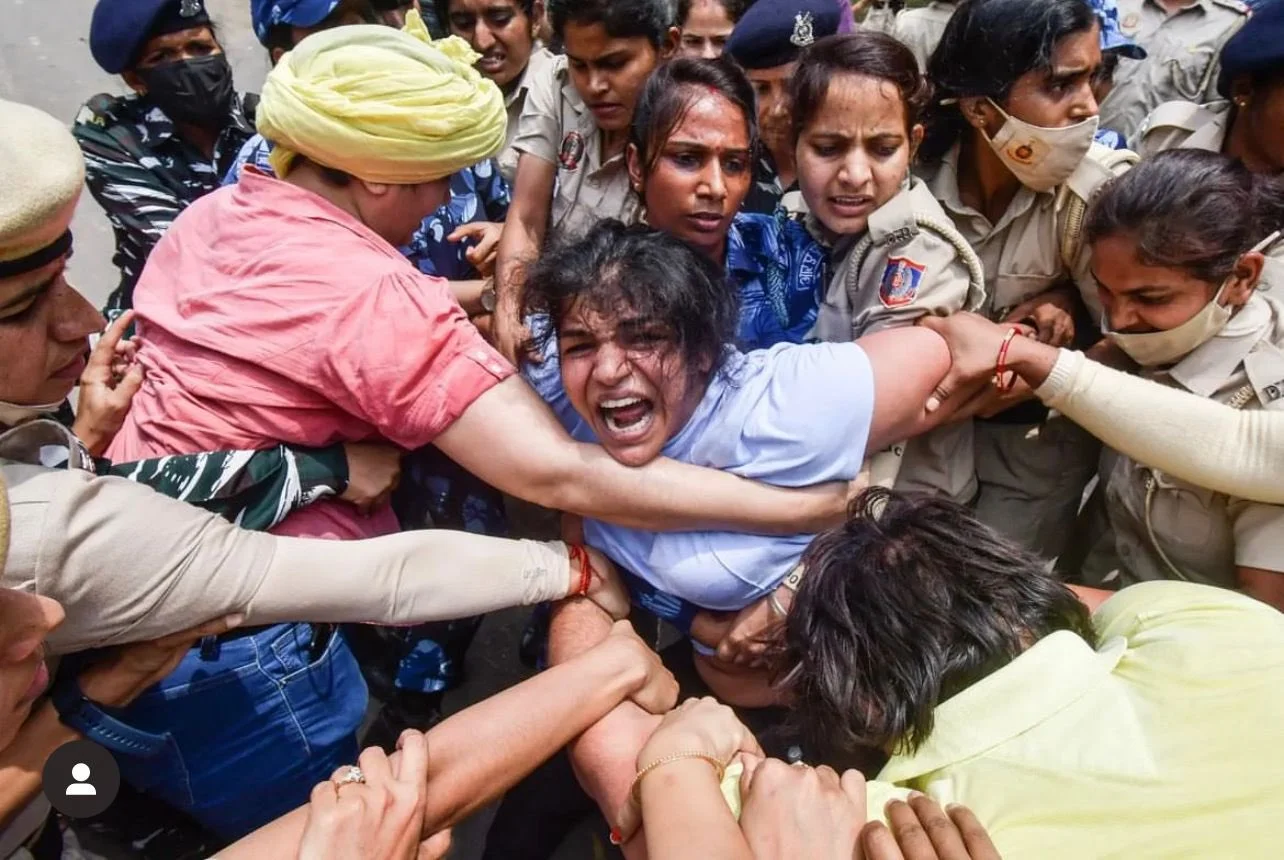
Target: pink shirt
(269,315)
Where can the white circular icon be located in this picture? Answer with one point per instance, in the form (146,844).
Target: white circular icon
(81,787)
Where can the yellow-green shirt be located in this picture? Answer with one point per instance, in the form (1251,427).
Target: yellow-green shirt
(1167,741)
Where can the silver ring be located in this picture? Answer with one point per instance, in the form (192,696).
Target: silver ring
(352,775)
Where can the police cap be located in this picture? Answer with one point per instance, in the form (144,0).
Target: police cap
(774,32)
(1257,47)
(120,28)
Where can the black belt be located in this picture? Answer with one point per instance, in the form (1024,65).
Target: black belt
(321,636)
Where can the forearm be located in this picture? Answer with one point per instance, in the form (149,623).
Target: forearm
(687,815)
(23,761)
(408,578)
(468,294)
(1239,450)
(481,752)
(519,246)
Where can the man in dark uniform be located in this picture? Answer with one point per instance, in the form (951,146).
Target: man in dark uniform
(767,41)
(148,155)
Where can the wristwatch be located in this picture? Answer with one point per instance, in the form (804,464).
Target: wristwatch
(77,711)
(794,579)
(487,299)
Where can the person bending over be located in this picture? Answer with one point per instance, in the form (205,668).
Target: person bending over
(922,632)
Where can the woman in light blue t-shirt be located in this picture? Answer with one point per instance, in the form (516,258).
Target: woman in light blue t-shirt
(634,334)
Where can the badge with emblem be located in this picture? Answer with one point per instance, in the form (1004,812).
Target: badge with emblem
(803,35)
(572,150)
(190,8)
(1026,152)
(900,282)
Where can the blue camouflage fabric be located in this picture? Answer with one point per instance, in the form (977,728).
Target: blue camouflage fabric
(143,174)
(781,273)
(476,194)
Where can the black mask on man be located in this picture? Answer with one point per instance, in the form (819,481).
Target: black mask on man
(196,92)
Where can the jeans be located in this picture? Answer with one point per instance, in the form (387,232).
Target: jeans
(250,724)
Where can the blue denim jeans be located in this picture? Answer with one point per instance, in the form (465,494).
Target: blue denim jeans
(250,725)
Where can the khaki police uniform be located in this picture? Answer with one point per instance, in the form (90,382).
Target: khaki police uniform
(880,16)
(1182,59)
(557,127)
(1184,125)
(1169,529)
(920,29)
(515,102)
(910,262)
(1032,470)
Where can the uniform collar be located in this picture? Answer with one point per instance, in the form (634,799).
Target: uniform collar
(944,185)
(538,59)
(1052,675)
(1207,369)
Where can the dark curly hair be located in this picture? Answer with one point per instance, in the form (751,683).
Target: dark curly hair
(621,19)
(640,271)
(907,603)
(863,52)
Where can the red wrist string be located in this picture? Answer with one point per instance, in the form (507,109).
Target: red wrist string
(1004,379)
(579,555)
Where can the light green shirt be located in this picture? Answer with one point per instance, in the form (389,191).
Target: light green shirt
(1167,741)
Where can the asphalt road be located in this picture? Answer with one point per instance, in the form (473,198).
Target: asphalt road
(45,61)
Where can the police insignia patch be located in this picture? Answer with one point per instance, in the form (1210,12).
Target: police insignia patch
(803,34)
(572,150)
(900,282)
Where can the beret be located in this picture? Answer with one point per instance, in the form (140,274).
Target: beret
(1257,47)
(1112,37)
(266,14)
(120,28)
(41,172)
(774,32)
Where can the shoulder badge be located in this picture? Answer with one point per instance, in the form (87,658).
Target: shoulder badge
(803,35)
(900,282)
(572,150)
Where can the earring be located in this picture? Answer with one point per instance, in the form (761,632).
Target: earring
(1241,102)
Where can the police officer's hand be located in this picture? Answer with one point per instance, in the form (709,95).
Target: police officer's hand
(111,378)
(921,830)
(974,344)
(605,588)
(374,471)
(1050,314)
(485,236)
(797,811)
(130,669)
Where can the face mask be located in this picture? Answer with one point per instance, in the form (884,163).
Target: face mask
(13,414)
(198,92)
(1042,158)
(1158,348)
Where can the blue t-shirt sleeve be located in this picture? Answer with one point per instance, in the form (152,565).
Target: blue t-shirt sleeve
(811,421)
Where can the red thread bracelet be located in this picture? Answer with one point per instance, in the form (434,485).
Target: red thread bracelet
(577,553)
(1001,364)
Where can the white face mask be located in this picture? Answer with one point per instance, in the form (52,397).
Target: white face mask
(1158,348)
(1042,158)
(13,414)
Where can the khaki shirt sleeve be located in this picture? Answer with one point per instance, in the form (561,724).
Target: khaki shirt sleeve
(941,290)
(129,564)
(1259,534)
(539,131)
(125,562)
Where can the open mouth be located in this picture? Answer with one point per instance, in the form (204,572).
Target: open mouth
(490,64)
(851,205)
(706,222)
(627,418)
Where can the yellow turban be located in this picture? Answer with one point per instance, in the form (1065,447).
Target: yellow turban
(382,105)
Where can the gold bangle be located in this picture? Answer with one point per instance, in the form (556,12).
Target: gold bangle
(718,767)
